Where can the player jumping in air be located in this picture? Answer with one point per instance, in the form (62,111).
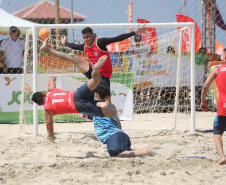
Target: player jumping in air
(95,47)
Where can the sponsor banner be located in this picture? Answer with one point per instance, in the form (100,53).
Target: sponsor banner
(121,91)
(161,70)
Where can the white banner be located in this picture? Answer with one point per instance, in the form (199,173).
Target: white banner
(10,84)
(159,69)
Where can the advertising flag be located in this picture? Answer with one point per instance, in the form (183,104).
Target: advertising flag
(186,40)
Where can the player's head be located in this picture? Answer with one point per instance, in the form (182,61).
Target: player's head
(102,92)
(137,38)
(224,54)
(38,98)
(88,36)
(14,32)
(170,49)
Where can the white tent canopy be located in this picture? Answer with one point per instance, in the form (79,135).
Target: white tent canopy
(7,20)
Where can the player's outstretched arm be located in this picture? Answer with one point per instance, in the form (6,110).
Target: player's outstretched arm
(116,116)
(49,126)
(52,83)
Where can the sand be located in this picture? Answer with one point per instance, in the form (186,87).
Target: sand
(78,157)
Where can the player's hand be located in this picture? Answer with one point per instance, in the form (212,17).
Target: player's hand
(63,39)
(102,104)
(53,77)
(85,116)
(140,30)
(204,106)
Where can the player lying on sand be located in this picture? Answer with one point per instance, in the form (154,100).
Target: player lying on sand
(108,130)
(57,101)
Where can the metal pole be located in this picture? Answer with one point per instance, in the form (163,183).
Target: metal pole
(193,78)
(57,21)
(35,64)
(73,36)
(72,21)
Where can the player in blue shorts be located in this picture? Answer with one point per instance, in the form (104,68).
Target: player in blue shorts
(108,130)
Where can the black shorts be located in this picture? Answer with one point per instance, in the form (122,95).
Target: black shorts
(84,102)
(104,81)
(219,124)
(118,143)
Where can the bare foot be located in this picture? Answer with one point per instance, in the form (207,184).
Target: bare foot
(44,47)
(100,62)
(222,161)
(154,146)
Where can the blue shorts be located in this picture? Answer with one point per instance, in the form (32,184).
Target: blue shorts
(84,102)
(219,124)
(104,81)
(118,143)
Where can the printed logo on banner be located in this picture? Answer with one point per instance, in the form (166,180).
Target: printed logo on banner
(151,68)
(122,103)
(27,95)
(8,80)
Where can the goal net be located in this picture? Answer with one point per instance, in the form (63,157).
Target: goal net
(151,77)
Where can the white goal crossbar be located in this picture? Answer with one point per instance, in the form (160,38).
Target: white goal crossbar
(114,25)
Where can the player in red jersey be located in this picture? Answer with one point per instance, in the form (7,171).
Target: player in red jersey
(218,73)
(57,101)
(95,47)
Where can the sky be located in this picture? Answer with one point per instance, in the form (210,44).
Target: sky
(116,11)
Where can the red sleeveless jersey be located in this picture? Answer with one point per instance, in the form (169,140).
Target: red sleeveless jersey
(60,102)
(94,53)
(221,86)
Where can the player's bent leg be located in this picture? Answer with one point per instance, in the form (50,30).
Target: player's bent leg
(81,64)
(96,77)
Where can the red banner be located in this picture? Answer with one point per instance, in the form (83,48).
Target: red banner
(149,37)
(186,40)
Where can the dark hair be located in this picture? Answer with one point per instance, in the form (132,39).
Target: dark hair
(38,97)
(12,27)
(170,49)
(224,49)
(137,35)
(87,30)
(202,50)
(103,91)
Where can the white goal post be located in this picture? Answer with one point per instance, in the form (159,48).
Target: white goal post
(190,26)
